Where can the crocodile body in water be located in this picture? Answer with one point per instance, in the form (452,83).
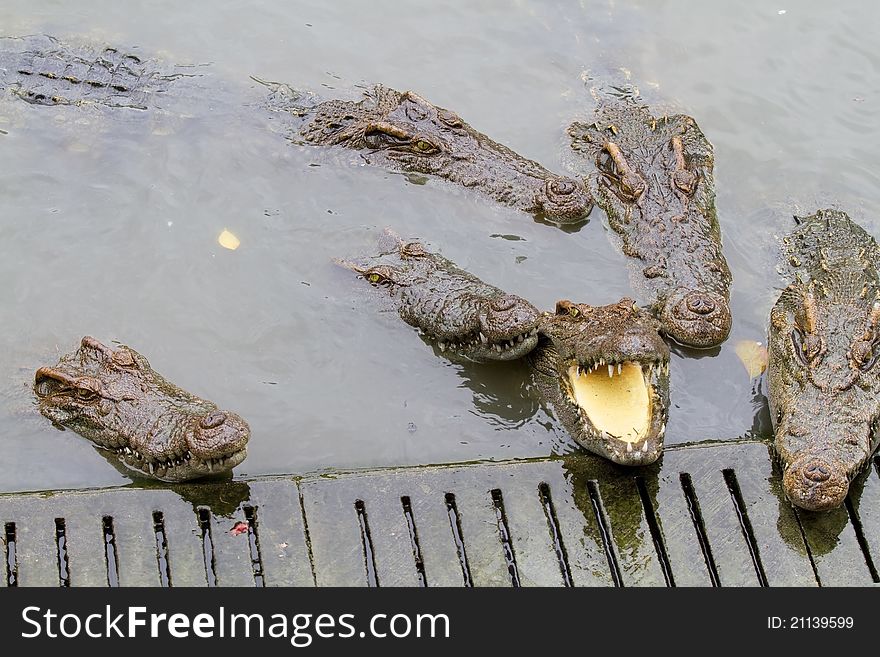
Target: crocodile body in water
(44,71)
(116,400)
(604,369)
(404,132)
(453,309)
(654,179)
(824,348)
(400,131)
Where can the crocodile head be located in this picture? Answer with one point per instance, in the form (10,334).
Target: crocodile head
(453,309)
(606,370)
(824,367)
(113,397)
(404,132)
(654,179)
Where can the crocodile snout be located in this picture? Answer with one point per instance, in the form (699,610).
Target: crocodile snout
(815,483)
(696,318)
(218,434)
(564,200)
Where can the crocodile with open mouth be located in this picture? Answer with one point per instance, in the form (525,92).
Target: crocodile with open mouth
(654,179)
(112,397)
(604,369)
(823,374)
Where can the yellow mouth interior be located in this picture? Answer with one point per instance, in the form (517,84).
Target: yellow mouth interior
(616,398)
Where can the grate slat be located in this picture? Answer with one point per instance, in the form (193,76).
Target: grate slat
(436,545)
(84,535)
(537,563)
(686,557)
(775,527)
(393,554)
(730,551)
(282,536)
(135,552)
(186,562)
(334,531)
(232,557)
(34,542)
(835,548)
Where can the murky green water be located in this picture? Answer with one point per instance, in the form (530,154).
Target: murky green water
(109,220)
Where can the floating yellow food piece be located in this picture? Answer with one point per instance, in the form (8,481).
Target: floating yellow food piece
(753,356)
(228,240)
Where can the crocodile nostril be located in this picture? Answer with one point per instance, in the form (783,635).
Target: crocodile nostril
(213,420)
(816,471)
(700,304)
(503,303)
(561,187)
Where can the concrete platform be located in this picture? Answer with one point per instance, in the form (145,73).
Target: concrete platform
(711,515)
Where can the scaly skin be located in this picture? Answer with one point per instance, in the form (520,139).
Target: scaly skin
(447,303)
(458,312)
(824,347)
(599,339)
(654,179)
(43,71)
(404,132)
(115,399)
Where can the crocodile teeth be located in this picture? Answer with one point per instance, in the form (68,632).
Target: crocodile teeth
(442,346)
(629,448)
(150,466)
(610,371)
(210,464)
(645,448)
(483,338)
(619,368)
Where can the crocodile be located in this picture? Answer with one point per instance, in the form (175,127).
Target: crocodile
(459,313)
(654,179)
(112,397)
(401,131)
(42,70)
(823,377)
(604,369)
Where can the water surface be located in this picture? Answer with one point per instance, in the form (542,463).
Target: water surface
(110,219)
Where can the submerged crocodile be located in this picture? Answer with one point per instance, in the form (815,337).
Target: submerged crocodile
(41,70)
(404,132)
(824,348)
(115,399)
(604,369)
(452,308)
(654,179)
(397,130)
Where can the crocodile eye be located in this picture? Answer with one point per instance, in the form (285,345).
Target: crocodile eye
(374,278)
(424,147)
(864,354)
(807,347)
(86,395)
(632,187)
(573,311)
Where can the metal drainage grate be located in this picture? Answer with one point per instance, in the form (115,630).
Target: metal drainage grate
(713,516)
